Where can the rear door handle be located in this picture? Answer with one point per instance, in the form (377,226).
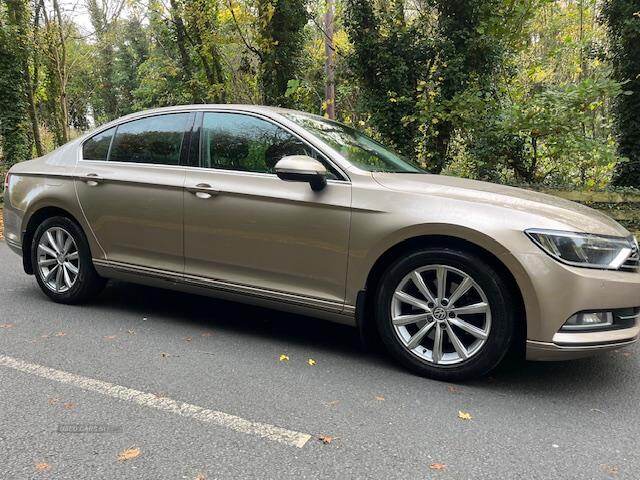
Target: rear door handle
(203,191)
(92,179)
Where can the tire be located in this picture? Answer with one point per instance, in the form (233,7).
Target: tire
(73,281)
(488,330)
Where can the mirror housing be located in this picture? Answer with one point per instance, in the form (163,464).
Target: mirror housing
(302,168)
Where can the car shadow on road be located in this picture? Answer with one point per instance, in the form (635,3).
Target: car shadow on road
(587,376)
(234,318)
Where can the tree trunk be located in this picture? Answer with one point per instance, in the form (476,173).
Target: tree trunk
(330,65)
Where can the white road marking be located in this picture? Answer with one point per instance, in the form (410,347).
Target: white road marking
(233,422)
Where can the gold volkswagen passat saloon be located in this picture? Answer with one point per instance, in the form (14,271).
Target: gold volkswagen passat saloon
(295,212)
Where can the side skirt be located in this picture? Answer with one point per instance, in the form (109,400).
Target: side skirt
(314,307)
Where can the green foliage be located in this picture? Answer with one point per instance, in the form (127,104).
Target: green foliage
(534,91)
(15,141)
(622,18)
(280,37)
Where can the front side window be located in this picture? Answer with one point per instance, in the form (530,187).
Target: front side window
(97,147)
(156,140)
(231,141)
(355,146)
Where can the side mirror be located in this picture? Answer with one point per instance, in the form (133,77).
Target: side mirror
(302,168)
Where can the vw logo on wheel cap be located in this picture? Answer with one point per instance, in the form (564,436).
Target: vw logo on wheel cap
(439,313)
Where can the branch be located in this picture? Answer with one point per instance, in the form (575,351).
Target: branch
(244,40)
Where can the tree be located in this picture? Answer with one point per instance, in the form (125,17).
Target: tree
(14,109)
(622,18)
(104,15)
(280,35)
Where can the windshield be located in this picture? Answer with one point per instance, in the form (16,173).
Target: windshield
(356,147)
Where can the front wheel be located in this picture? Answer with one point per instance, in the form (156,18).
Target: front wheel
(445,314)
(62,262)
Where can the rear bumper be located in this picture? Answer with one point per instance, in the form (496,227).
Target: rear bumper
(15,246)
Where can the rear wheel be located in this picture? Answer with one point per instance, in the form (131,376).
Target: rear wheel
(445,314)
(62,262)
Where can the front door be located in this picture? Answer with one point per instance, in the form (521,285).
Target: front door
(130,186)
(249,229)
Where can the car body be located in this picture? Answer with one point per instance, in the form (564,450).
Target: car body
(250,236)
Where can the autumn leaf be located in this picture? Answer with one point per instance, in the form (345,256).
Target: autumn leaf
(69,405)
(53,400)
(131,332)
(464,415)
(188,339)
(437,466)
(284,357)
(333,403)
(326,439)
(207,334)
(610,470)
(7,325)
(200,476)
(380,398)
(129,454)
(110,337)
(311,362)
(453,389)
(60,334)
(43,467)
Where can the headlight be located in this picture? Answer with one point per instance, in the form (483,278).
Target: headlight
(584,249)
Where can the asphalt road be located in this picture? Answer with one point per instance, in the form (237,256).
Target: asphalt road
(555,420)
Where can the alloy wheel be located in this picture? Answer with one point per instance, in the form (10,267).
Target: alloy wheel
(441,315)
(58,259)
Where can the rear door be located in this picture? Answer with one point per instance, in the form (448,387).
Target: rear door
(130,185)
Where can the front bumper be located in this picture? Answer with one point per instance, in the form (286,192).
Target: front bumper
(560,291)
(543,351)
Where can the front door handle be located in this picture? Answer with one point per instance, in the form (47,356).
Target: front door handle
(203,191)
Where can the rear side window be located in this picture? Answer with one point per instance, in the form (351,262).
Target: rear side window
(97,147)
(156,139)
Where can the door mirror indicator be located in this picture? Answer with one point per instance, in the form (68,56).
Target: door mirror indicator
(302,168)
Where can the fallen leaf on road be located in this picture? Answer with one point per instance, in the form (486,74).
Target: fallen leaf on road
(60,334)
(131,332)
(311,362)
(326,439)
(200,476)
(110,337)
(188,339)
(7,325)
(53,400)
(464,415)
(129,454)
(333,403)
(437,466)
(610,470)
(159,395)
(284,358)
(453,389)
(207,334)
(380,398)
(43,467)
(69,405)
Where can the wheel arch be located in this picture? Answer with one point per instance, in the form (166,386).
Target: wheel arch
(35,219)
(494,254)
